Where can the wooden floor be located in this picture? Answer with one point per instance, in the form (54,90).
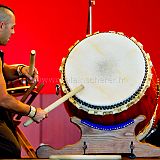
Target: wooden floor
(125,158)
(99,157)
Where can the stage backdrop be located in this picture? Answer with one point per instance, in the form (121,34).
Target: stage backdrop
(51,27)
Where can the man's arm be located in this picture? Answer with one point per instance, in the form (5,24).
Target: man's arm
(13,72)
(11,103)
(10,72)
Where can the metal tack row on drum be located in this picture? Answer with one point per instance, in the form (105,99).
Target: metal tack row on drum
(119,80)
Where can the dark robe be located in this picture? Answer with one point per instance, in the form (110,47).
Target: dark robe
(9,144)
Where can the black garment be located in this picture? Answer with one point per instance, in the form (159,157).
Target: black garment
(154,138)
(9,145)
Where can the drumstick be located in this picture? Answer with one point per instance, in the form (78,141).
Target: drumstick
(58,102)
(32,62)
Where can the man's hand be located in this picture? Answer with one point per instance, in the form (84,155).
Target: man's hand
(32,78)
(40,115)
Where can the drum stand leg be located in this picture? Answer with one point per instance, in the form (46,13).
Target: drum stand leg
(93,141)
(26,144)
(22,138)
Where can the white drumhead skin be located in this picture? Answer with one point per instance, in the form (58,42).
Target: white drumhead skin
(110,66)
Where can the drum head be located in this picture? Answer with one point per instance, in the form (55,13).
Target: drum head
(113,69)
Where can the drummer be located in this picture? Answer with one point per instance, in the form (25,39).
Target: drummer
(9,145)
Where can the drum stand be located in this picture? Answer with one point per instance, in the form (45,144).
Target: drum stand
(25,144)
(100,142)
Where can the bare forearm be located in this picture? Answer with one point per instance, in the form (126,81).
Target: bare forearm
(11,103)
(10,72)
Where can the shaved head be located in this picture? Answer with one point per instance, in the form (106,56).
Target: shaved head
(7,24)
(5,13)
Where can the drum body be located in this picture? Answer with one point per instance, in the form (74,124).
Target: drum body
(119,80)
